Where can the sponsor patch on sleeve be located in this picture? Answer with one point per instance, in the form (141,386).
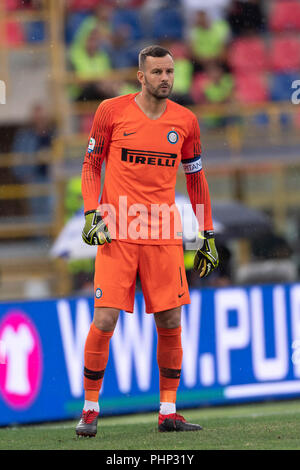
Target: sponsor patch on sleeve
(91,145)
(192,165)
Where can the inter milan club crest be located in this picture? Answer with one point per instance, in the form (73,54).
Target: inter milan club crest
(173,137)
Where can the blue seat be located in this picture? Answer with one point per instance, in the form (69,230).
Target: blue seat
(281,90)
(168,24)
(35,31)
(281,86)
(124,57)
(73,22)
(129,18)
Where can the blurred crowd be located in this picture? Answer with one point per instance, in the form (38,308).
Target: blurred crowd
(224,50)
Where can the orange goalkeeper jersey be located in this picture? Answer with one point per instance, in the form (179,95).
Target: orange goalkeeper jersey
(141,158)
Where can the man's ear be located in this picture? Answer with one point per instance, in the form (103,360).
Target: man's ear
(140,76)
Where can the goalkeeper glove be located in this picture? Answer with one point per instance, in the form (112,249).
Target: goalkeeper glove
(206,258)
(95,231)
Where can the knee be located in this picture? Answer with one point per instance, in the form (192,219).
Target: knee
(169,323)
(168,318)
(105,319)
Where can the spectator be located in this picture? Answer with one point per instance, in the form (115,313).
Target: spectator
(31,139)
(117,37)
(129,86)
(271,246)
(214,87)
(245,17)
(90,60)
(224,276)
(218,86)
(214,8)
(183,74)
(100,19)
(208,39)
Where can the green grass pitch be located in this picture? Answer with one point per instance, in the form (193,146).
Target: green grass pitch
(260,426)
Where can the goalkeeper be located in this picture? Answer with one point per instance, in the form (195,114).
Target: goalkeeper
(142,137)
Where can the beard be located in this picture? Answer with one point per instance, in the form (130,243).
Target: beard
(159,93)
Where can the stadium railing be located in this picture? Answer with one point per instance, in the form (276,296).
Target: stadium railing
(25,267)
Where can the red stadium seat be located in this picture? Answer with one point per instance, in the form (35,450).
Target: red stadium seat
(14,33)
(11,4)
(248,54)
(86,122)
(285,54)
(251,88)
(197,87)
(285,15)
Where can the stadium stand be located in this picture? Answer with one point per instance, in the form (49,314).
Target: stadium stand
(168,23)
(251,87)
(128,20)
(285,54)
(256,48)
(280,86)
(208,38)
(14,33)
(246,17)
(248,54)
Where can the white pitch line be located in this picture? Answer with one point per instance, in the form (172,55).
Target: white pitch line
(272,413)
(262,389)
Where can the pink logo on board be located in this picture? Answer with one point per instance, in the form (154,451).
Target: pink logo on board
(21,364)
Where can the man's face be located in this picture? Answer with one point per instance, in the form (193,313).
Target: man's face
(158,76)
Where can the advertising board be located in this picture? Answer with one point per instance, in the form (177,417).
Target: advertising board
(240,344)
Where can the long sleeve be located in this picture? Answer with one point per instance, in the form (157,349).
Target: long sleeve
(197,186)
(99,139)
(198,191)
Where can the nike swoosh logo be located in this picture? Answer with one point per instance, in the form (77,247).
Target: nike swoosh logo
(180,295)
(128,133)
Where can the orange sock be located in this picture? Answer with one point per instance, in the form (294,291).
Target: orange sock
(169,359)
(96,353)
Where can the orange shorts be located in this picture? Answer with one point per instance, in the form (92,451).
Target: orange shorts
(161,271)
